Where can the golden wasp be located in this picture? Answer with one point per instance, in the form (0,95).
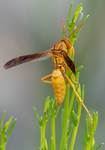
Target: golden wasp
(61,59)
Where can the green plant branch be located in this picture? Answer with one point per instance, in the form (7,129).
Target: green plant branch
(73,96)
(65,119)
(53,132)
(54,113)
(11,128)
(3,143)
(67,110)
(70,108)
(99,146)
(3,130)
(43,134)
(77,119)
(90,142)
(69,128)
(42,123)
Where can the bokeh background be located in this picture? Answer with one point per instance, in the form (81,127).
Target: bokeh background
(30,26)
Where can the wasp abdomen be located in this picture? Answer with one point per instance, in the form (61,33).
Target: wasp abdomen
(59,86)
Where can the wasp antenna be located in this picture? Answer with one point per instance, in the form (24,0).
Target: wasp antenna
(76,30)
(64,27)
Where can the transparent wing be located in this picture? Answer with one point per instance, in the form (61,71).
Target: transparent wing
(22,59)
(41,58)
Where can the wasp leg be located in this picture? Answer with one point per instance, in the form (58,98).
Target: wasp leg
(71,50)
(72,79)
(71,75)
(64,27)
(79,98)
(47,77)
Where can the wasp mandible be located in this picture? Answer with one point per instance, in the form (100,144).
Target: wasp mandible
(61,60)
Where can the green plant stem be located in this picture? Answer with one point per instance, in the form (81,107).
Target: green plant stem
(66,114)
(88,146)
(89,143)
(53,132)
(91,140)
(3,142)
(43,134)
(73,138)
(75,128)
(65,118)
(71,104)
(78,119)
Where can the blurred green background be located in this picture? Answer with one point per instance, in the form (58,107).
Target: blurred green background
(30,26)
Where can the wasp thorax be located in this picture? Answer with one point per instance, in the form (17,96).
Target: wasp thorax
(59,46)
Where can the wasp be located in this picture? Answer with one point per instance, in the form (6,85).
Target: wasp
(61,60)
(58,53)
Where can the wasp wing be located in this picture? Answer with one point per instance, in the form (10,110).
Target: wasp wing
(41,58)
(22,59)
(69,62)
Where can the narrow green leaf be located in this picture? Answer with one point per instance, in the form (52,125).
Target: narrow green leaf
(47,104)
(74,105)
(41,122)
(70,130)
(76,79)
(57,110)
(74,118)
(63,33)
(62,115)
(52,102)
(77,12)
(37,115)
(2,120)
(77,120)
(11,128)
(82,92)
(99,146)
(79,68)
(52,107)
(95,121)
(79,91)
(68,17)
(81,27)
(7,124)
(47,116)
(85,19)
(86,128)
